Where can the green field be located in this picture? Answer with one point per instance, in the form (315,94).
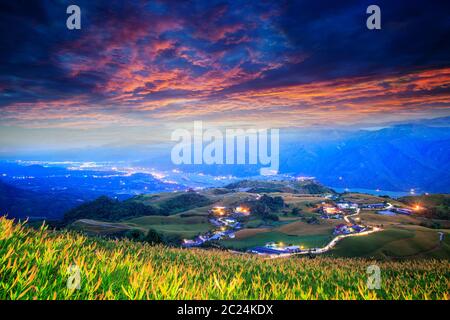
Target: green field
(261,239)
(398,242)
(34,265)
(93,227)
(187,227)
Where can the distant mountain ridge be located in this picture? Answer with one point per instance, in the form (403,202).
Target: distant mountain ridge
(399,157)
(20,203)
(293,186)
(396,158)
(402,157)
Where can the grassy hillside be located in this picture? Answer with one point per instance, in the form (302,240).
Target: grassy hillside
(362,198)
(434,205)
(404,237)
(289,186)
(406,242)
(34,265)
(108,209)
(295,232)
(430,200)
(94,227)
(166,204)
(173,225)
(172,203)
(284,195)
(260,239)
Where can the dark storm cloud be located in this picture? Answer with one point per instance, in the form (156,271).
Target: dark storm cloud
(333,37)
(137,53)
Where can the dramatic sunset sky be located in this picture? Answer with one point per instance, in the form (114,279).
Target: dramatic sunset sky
(139,69)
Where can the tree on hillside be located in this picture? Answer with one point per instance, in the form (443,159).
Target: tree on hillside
(172,240)
(153,237)
(135,234)
(266,205)
(104,208)
(272,217)
(296,211)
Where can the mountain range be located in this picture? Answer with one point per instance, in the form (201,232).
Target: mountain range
(396,157)
(401,158)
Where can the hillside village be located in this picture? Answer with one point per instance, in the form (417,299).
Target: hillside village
(273,219)
(225,219)
(227,222)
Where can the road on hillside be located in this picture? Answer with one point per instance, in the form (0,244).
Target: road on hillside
(333,242)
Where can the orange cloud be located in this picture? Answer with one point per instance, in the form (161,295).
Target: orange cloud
(340,101)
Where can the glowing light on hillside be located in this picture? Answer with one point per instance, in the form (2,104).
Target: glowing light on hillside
(242,209)
(158,175)
(219,211)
